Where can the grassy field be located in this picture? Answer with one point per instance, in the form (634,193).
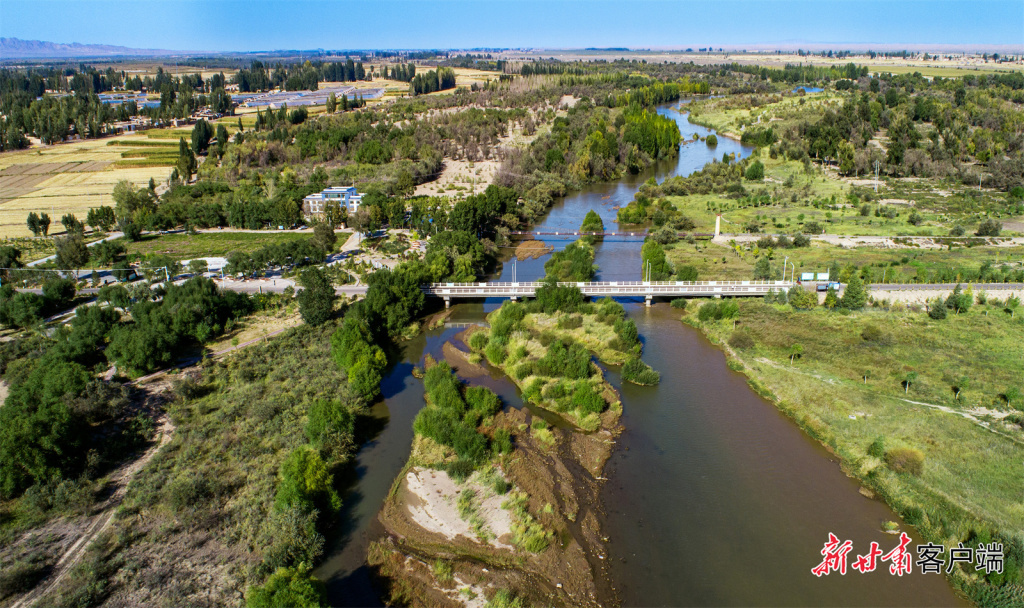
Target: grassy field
(790,195)
(970,483)
(728,115)
(213,244)
(903,265)
(931,71)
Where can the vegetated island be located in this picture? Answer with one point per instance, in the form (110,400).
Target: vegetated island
(503,503)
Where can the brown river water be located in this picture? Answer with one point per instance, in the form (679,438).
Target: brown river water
(713,498)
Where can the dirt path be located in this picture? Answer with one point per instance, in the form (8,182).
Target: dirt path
(108,509)
(942,408)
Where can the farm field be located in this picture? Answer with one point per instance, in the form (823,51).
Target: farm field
(74,177)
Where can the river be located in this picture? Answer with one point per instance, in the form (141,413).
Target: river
(713,496)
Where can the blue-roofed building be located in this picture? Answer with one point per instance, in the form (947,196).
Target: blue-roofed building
(346,197)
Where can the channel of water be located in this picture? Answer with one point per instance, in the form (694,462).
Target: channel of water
(713,496)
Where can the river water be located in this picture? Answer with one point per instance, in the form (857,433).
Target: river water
(713,496)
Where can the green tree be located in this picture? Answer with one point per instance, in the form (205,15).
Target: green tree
(71,251)
(288,588)
(958,301)
(101,218)
(908,379)
(799,297)
(186,163)
(33,223)
(854,296)
(332,103)
(323,233)
(592,222)
(40,435)
(330,428)
(937,309)
(846,162)
(831,298)
(222,140)
(147,344)
(58,292)
(202,133)
(304,482)
(654,264)
(755,172)
(71,224)
(796,350)
(44,224)
(1012,304)
(763,268)
(989,228)
(316,300)
(89,329)
(10,257)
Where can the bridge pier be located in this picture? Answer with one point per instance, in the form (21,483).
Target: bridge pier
(447,302)
(647,300)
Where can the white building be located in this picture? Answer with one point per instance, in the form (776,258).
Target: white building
(346,196)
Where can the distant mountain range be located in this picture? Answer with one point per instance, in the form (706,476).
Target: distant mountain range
(15,48)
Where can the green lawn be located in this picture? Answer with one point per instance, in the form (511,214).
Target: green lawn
(211,244)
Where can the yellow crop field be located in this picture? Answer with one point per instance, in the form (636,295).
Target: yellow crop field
(68,178)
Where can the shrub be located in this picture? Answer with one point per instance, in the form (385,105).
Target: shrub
(741,340)
(905,460)
(294,587)
(305,483)
(501,443)
(570,360)
(638,372)
(586,399)
(872,333)
(937,309)
(626,330)
(712,141)
(478,340)
(460,470)
(570,322)
(483,400)
(877,447)
(687,272)
(21,576)
(679,303)
(755,172)
(989,228)
(496,351)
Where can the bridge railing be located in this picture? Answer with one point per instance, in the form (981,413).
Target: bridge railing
(535,284)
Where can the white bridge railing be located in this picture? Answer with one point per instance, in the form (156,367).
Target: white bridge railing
(609,288)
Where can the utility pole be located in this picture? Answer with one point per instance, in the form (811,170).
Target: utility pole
(876,177)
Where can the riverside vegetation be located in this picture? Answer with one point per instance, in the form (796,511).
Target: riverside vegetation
(243,492)
(926,413)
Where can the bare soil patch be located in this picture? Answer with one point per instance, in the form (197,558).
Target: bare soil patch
(430,498)
(532,249)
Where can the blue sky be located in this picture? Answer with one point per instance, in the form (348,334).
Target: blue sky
(226,25)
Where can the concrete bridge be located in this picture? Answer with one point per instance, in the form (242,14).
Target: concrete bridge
(645,289)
